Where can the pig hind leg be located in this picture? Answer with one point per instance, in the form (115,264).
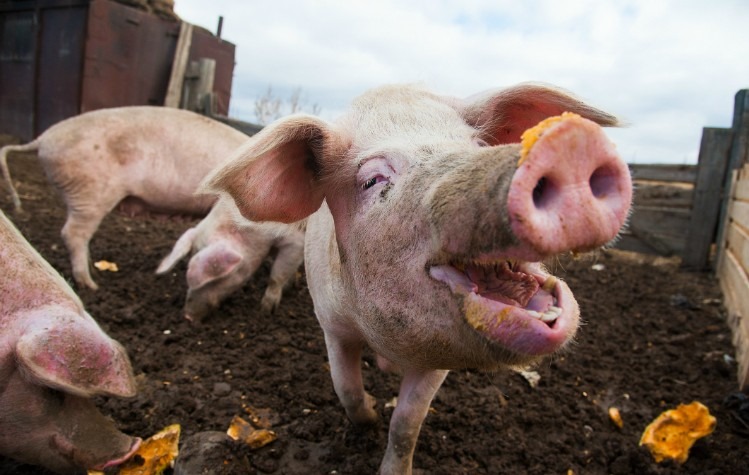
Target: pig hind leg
(80,226)
(345,369)
(290,256)
(417,390)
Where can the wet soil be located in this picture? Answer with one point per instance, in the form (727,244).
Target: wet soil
(654,336)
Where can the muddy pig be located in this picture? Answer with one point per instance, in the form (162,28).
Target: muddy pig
(142,158)
(228,249)
(428,222)
(53,358)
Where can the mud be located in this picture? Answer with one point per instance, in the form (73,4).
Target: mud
(654,336)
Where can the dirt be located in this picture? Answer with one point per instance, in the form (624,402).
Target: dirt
(654,336)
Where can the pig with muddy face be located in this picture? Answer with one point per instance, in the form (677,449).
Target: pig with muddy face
(228,249)
(140,159)
(53,358)
(427,229)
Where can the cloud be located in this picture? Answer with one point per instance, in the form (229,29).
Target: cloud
(669,68)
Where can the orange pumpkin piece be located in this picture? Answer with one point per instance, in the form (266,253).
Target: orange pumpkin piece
(672,434)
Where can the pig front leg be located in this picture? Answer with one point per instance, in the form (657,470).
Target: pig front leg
(344,356)
(417,390)
(290,256)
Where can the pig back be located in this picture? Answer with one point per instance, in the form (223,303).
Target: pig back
(158,155)
(28,280)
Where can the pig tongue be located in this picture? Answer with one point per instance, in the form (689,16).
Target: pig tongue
(502,283)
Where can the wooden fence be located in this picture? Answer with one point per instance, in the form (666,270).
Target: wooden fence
(732,267)
(701,213)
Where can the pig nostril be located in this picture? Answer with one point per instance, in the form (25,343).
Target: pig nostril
(602,182)
(543,193)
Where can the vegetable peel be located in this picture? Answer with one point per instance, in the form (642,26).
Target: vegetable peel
(671,435)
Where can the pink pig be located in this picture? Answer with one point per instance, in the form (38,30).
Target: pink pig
(228,249)
(53,358)
(426,231)
(142,158)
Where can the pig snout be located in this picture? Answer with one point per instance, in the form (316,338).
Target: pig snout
(571,192)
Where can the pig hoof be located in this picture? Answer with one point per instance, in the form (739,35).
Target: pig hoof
(269,305)
(364,414)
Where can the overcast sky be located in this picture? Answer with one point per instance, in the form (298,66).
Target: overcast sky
(667,67)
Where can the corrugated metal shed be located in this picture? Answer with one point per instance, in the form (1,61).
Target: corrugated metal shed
(59,58)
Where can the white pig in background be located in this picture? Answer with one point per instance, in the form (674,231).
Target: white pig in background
(426,230)
(228,249)
(53,358)
(142,158)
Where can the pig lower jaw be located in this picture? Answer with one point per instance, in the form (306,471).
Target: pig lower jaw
(113,463)
(541,327)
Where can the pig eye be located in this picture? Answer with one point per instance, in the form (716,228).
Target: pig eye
(480,142)
(372,182)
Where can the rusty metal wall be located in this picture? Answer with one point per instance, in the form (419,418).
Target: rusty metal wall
(128,57)
(59,58)
(41,46)
(17,66)
(206,45)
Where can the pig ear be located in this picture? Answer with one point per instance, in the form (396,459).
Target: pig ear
(211,263)
(71,353)
(503,115)
(181,249)
(276,175)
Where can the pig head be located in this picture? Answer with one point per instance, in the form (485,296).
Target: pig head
(227,251)
(428,222)
(53,358)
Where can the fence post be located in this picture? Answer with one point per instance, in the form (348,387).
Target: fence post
(737,157)
(179,64)
(708,191)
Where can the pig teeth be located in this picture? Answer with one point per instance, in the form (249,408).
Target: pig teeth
(548,316)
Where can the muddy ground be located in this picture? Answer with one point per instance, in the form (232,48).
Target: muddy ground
(653,337)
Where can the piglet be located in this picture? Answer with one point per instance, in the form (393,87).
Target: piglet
(227,250)
(53,358)
(139,158)
(428,222)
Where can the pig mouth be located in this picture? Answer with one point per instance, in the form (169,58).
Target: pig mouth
(515,304)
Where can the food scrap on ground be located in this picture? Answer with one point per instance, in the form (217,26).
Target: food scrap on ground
(616,417)
(106,265)
(240,429)
(672,434)
(155,454)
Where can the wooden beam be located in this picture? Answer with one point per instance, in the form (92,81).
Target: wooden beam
(735,286)
(668,173)
(179,65)
(708,193)
(737,157)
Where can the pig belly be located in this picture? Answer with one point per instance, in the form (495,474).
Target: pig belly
(193,207)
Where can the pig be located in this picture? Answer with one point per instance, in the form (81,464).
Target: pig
(53,358)
(228,249)
(428,222)
(140,158)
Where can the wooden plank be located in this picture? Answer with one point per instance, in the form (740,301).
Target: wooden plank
(629,242)
(661,220)
(735,286)
(739,213)
(703,225)
(663,195)
(741,189)
(177,77)
(668,173)
(736,159)
(738,243)
(661,230)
